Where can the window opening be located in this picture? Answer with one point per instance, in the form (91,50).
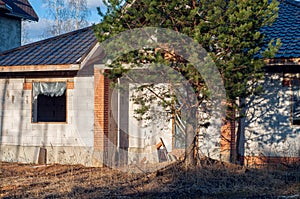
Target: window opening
(49,102)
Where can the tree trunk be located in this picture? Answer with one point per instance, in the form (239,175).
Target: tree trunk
(190,145)
(190,136)
(240,140)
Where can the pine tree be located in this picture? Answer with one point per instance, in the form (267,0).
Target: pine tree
(228,30)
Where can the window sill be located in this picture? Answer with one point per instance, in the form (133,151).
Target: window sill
(49,122)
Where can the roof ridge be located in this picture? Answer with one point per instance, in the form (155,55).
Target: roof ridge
(46,40)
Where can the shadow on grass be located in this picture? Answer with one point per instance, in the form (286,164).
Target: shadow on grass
(219,180)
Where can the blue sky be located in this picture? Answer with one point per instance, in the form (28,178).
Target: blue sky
(35,30)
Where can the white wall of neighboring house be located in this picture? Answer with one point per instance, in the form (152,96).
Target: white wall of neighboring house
(21,139)
(210,138)
(145,134)
(269,129)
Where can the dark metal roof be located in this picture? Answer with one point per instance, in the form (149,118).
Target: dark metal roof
(3,7)
(20,8)
(287,28)
(69,48)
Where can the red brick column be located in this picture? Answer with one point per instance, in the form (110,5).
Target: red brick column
(105,127)
(101,85)
(228,138)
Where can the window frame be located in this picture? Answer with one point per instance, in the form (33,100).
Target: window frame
(31,102)
(292,84)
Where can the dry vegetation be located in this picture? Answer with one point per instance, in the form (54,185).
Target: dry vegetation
(210,180)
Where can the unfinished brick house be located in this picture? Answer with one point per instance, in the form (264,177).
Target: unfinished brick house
(56,108)
(44,101)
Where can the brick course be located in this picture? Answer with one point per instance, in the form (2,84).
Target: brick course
(267,160)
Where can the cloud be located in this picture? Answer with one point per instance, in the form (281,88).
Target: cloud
(94,3)
(41,25)
(36,30)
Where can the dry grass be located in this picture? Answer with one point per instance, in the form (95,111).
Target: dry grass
(210,180)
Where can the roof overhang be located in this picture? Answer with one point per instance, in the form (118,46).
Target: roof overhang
(40,68)
(24,17)
(21,9)
(95,56)
(4,8)
(283,62)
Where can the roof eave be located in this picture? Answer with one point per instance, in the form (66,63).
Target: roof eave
(23,16)
(5,8)
(86,59)
(40,68)
(283,61)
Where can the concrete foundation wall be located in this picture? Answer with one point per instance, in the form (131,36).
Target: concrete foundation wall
(70,142)
(269,129)
(10,34)
(55,154)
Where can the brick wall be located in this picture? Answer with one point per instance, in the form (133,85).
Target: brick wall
(228,138)
(105,126)
(100,111)
(265,160)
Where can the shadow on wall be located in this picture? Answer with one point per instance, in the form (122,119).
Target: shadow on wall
(3,111)
(269,130)
(20,133)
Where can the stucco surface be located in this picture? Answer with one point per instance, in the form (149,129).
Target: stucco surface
(269,129)
(10,34)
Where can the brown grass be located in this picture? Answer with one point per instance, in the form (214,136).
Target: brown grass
(211,179)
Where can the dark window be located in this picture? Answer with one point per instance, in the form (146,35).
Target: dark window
(296,102)
(51,109)
(49,102)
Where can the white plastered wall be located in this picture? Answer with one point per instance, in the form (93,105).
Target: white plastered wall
(145,134)
(269,129)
